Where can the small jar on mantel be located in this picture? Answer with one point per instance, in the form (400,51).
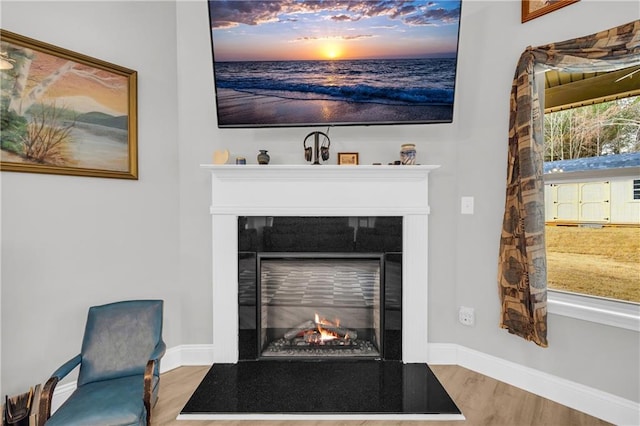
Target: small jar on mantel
(408,154)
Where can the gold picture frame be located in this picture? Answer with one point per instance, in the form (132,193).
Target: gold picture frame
(348,158)
(532,9)
(66,113)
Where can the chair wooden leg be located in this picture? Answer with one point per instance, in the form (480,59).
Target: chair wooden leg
(148,384)
(44,408)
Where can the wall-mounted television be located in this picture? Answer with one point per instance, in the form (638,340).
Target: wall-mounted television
(330,62)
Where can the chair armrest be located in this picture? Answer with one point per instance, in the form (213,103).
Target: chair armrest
(67,367)
(44,409)
(158,351)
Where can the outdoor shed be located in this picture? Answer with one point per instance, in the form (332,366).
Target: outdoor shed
(596,190)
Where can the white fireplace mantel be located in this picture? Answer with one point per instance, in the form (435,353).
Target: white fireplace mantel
(319,190)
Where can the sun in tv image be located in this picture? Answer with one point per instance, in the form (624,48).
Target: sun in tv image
(305,63)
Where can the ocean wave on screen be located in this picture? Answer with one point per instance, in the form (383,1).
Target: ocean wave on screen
(354,93)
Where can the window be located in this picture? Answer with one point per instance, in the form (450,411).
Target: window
(592,202)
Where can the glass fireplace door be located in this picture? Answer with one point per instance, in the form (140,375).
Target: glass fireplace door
(320,305)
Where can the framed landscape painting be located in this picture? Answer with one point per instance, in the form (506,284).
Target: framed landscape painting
(64,112)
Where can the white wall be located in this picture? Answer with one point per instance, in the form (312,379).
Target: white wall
(163,219)
(72,242)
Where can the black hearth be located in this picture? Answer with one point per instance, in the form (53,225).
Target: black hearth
(384,390)
(320,287)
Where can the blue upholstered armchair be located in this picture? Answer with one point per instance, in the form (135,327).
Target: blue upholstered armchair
(119,375)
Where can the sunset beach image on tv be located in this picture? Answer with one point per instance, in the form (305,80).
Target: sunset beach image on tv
(331,62)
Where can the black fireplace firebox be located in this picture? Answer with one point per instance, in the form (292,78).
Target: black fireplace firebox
(320,288)
(320,305)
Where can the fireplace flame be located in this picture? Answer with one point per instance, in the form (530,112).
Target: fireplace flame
(326,335)
(322,330)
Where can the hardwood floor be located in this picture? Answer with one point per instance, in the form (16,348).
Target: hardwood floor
(482,400)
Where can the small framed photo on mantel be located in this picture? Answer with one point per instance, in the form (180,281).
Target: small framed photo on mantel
(534,8)
(348,158)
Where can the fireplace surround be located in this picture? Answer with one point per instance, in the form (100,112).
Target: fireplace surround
(320,287)
(319,191)
(396,383)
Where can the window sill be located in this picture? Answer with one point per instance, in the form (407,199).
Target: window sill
(602,311)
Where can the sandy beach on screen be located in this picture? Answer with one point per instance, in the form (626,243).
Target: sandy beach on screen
(240,108)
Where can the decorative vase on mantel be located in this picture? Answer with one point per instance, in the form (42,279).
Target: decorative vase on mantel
(263,157)
(408,154)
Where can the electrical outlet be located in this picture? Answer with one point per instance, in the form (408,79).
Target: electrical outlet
(466,316)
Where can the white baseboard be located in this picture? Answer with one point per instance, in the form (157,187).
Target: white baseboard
(596,403)
(184,355)
(603,405)
(60,395)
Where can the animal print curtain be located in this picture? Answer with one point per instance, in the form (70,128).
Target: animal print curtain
(522,265)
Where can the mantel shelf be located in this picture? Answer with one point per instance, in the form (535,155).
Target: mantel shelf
(308,171)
